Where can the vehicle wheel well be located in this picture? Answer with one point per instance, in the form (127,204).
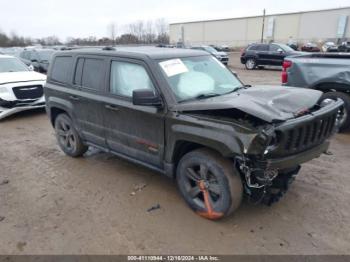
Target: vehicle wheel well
(329,87)
(183,147)
(54,113)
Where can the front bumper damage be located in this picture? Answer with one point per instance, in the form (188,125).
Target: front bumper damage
(21,96)
(14,107)
(268,175)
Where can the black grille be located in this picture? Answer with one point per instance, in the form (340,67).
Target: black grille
(28,92)
(304,136)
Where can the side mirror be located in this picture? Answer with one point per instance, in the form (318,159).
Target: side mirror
(31,67)
(280,50)
(145,97)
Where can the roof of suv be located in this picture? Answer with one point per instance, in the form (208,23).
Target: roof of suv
(141,52)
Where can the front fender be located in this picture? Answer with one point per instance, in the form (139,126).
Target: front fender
(227,140)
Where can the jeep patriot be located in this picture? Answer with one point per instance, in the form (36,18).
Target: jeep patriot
(184,114)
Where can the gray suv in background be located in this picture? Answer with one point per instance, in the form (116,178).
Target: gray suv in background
(220,55)
(39,59)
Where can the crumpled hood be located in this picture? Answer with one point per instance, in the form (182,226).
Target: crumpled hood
(269,103)
(14,77)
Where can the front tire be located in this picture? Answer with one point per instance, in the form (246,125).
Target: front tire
(209,184)
(345,121)
(68,138)
(250,64)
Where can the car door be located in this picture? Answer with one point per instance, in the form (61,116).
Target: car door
(90,81)
(277,55)
(262,52)
(133,131)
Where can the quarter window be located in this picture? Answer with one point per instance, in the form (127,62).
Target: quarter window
(127,77)
(61,69)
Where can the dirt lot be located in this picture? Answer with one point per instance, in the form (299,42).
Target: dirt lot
(53,204)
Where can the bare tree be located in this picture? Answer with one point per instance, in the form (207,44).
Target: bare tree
(161,26)
(112,30)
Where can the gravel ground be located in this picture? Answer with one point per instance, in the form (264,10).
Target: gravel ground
(53,204)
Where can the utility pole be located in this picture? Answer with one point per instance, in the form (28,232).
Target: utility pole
(263,26)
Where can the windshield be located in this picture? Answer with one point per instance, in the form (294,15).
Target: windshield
(286,48)
(12,65)
(45,55)
(200,77)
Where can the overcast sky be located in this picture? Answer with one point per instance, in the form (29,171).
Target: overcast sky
(83,18)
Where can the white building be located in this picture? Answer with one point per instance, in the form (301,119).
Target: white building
(316,26)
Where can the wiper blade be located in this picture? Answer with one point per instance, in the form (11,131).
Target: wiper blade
(234,90)
(201,96)
(204,96)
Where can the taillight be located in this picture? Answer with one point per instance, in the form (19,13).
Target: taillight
(286,64)
(242,51)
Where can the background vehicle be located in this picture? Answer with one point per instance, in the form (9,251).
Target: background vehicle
(265,54)
(12,51)
(192,120)
(329,47)
(344,47)
(221,48)
(20,88)
(329,73)
(221,56)
(38,58)
(294,46)
(310,47)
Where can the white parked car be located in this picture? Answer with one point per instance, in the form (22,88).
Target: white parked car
(20,88)
(330,47)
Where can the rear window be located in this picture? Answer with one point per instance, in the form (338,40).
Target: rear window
(61,69)
(252,47)
(93,74)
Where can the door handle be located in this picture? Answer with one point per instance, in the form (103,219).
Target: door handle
(75,98)
(112,107)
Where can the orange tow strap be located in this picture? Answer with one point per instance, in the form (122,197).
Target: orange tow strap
(210,213)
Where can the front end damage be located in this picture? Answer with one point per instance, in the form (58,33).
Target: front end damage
(17,97)
(272,158)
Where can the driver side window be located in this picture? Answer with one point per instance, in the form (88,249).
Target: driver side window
(127,77)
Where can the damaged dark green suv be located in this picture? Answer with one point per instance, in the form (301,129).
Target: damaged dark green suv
(184,114)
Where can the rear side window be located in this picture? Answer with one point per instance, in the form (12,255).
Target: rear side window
(93,74)
(263,48)
(61,69)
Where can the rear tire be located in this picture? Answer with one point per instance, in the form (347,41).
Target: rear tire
(67,137)
(250,64)
(209,184)
(345,123)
